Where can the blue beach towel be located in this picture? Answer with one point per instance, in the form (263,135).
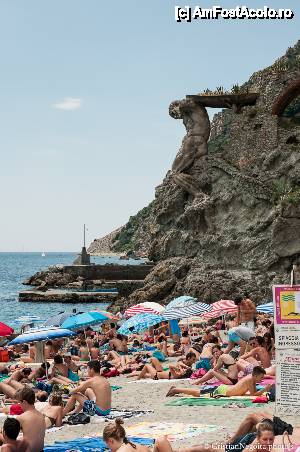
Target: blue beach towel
(89,445)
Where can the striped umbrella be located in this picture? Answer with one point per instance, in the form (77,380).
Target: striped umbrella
(144,308)
(195,309)
(219,308)
(267,308)
(140,322)
(182,302)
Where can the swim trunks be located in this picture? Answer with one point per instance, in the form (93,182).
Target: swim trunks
(221,390)
(101,412)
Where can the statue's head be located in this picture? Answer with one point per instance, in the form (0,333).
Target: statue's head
(174,109)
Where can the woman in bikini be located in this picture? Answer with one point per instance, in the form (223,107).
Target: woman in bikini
(53,411)
(114,436)
(225,368)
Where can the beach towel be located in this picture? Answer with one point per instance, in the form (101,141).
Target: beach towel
(89,445)
(175,431)
(125,414)
(203,401)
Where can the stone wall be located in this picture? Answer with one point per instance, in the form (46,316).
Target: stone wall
(108,272)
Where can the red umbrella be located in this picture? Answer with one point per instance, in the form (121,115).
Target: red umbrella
(5,330)
(219,308)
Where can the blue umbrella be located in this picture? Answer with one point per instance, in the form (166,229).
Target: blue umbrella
(140,323)
(267,308)
(182,302)
(85,319)
(41,334)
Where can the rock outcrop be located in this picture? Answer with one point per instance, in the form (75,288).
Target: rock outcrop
(103,245)
(244,234)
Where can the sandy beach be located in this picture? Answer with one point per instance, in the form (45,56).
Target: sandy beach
(151,396)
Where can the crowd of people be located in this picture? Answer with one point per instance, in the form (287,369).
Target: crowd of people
(233,354)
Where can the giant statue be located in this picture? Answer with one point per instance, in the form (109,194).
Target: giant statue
(194,143)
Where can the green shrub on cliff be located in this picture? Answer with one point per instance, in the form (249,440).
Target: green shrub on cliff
(125,239)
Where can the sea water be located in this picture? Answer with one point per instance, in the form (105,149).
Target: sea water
(16,267)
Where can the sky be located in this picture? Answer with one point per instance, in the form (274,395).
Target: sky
(85,86)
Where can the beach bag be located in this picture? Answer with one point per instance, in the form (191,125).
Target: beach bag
(280,427)
(4,356)
(79,418)
(89,407)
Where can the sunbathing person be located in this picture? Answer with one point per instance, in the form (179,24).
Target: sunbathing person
(32,422)
(60,371)
(114,436)
(224,361)
(72,367)
(10,433)
(119,344)
(258,352)
(206,356)
(40,372)
(95,350)
(84,352)
(246,385)
(176,371)
(96,389)
(53,411)
(260,441)
(32,355)
(20,375)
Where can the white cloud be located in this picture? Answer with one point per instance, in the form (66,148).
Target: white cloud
(68,104)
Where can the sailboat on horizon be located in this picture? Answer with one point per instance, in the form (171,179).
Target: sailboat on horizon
(43,254)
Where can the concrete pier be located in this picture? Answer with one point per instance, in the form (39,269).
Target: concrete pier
(67,296)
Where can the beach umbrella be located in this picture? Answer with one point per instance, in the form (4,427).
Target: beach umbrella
(197,308)
(182,302)
(140,322)
(41,334)
(5,330)
(83,320)
(58,319)
(267,308)
(148,307)
(220,308)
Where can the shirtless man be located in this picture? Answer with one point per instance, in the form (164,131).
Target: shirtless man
(118,344)
(246,312)
(11,430)
(20,375)
(258,352)
(32,422)
(246,385)
(96,388)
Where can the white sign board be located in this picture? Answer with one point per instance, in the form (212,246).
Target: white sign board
(288,382)
(287,316)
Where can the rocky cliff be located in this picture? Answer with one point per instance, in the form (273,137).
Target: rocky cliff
(241,233)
